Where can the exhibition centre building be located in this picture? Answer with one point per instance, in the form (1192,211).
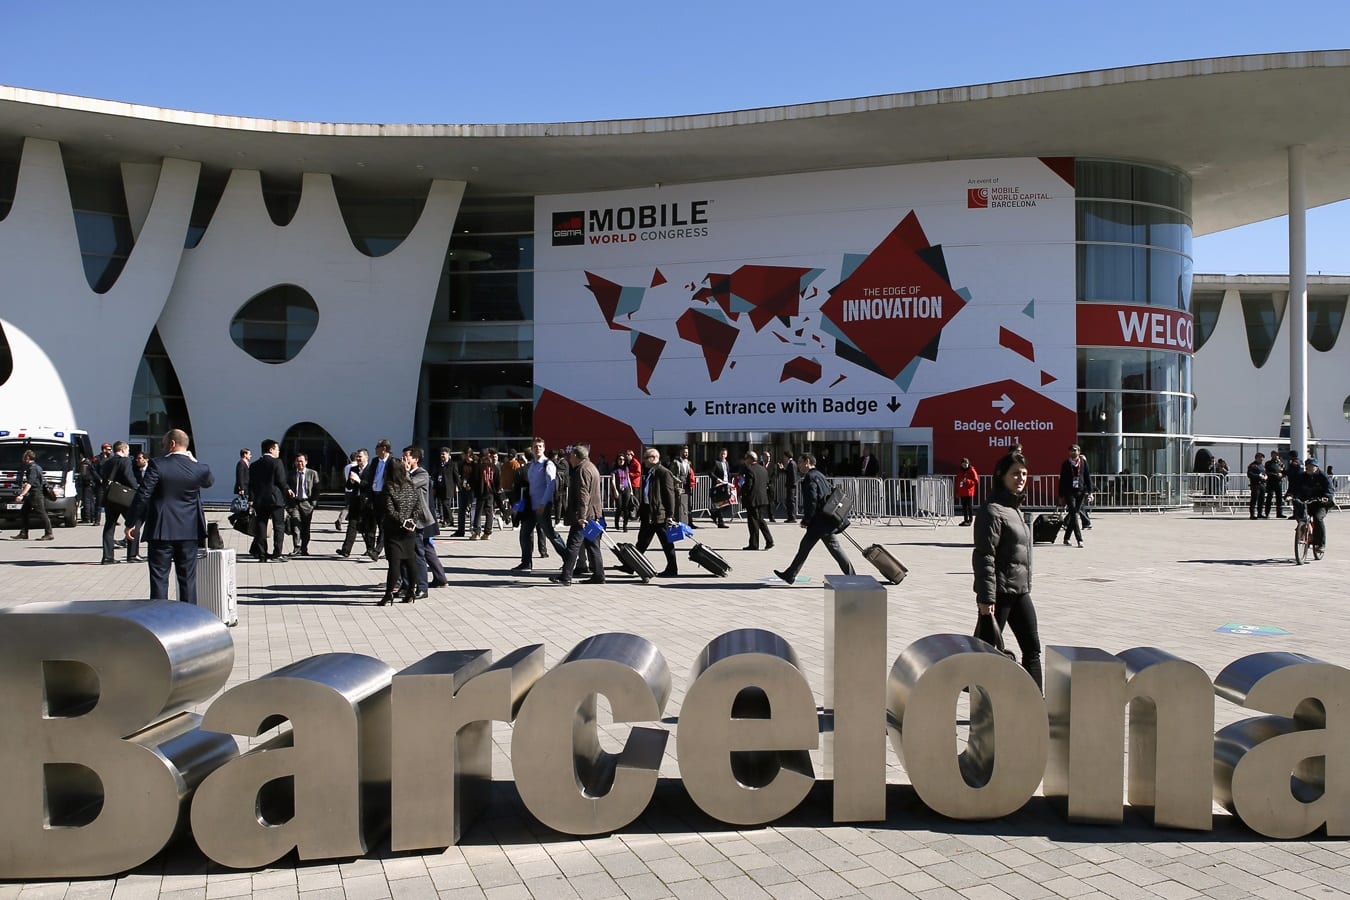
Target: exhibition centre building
(939,274)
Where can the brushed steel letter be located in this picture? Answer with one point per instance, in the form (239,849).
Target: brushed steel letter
(855,692)
(565,779)
(443,709)
(95,768)
(1285,775)
(1006,711)
(309,787)
(1171,709)
(746,726)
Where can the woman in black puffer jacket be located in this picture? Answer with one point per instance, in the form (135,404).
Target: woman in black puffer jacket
(1002,561)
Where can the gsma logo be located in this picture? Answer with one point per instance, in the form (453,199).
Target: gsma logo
(977,198)
(568,230)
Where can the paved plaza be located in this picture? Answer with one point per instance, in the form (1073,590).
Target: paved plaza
(1171,580)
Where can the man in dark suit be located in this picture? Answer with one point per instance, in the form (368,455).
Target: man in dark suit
(302,495)
(721,474)
(267,488)
(755,501)
(656,509)
(869,467)
(789,469)
(372,491)
(169,502)
(241,472)
(116,469)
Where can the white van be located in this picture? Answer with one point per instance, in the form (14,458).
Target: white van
(59,452)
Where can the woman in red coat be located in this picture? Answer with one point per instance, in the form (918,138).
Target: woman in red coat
(967,480)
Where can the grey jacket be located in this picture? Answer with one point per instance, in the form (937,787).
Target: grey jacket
(1002,556)
(421,479)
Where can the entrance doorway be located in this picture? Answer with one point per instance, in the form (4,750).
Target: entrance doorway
(899,454)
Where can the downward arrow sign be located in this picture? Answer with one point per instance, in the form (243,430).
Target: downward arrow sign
(893,405)
(1004,404)
(690,408)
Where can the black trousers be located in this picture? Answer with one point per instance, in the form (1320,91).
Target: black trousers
(484,512)
(754,520)
(34,502)
(1255,501)
(110,536)
(1073,523)
(1017,611)
(1319,514)
(967,509)
(534,521)
(1274,495)
(277,516)
(576,542)
(823,534)
(647,531)
(791,506)
(182,555)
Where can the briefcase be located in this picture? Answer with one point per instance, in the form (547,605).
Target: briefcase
(119,497)
(709,559)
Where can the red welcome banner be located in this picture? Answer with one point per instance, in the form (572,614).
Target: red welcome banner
(1147,327)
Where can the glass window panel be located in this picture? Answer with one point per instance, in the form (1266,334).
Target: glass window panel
(1325,316)
(480,381)
(491,421)
(487,297)
(1262,320)
(491,252)
(1112,274)
(1205,306)
(1169,281)
(1122,368)
(471,342)
(103,234)
(102,271)
(504,215)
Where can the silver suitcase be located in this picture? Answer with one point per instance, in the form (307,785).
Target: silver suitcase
(215,584)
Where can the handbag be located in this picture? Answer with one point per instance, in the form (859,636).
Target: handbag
(720,493)
(119,497)
(592,529)
(678,531)
(987,630)
(48,491)
(239,504)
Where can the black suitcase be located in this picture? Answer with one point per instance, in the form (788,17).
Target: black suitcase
(892,569)
(630,560)
(710,560)
(1045,527)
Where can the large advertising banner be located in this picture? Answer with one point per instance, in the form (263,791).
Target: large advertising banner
(935,296)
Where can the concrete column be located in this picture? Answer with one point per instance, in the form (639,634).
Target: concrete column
(1298,305)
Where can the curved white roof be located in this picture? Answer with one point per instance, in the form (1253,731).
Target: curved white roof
(1226,121)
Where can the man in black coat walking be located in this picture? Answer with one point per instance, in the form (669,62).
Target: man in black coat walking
(656,509)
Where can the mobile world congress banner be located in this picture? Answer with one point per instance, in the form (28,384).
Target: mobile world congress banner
(936,296)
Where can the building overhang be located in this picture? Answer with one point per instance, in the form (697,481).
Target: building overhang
(1227,122)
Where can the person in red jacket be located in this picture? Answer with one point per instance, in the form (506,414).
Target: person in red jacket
(967,481)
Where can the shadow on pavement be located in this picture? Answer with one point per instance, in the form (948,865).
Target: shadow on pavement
(1285,561)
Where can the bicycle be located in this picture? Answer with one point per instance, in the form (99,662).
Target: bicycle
(1303,533)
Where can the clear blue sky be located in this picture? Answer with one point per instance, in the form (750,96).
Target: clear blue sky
(464,61)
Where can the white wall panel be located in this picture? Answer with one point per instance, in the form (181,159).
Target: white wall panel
(96,340)
(357,376)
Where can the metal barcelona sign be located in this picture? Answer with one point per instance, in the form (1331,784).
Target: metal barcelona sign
(101,766)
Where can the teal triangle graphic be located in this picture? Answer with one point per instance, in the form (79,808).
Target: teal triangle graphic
(906,376)
(1030,309)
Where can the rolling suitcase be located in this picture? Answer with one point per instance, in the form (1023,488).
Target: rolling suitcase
(630,560)
(892,569)
(710,560)
(1045,527)
(216,584)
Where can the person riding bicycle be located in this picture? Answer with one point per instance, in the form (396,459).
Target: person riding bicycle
(1311,493)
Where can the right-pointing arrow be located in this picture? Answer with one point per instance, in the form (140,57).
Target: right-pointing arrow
(1004,404)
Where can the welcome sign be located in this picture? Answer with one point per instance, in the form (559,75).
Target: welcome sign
(100,766)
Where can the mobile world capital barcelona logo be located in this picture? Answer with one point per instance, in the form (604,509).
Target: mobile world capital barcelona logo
(1000,197)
